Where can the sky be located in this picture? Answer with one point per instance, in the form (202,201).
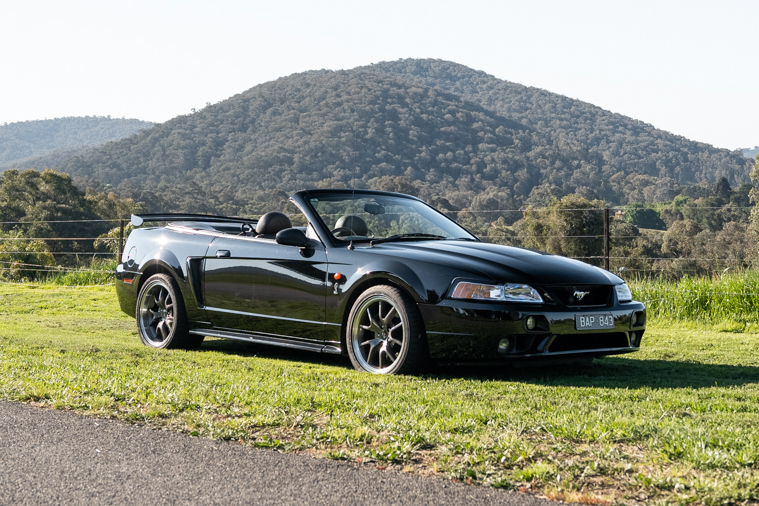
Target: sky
(688,67)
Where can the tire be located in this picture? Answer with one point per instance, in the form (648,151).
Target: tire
(385,333)
(161,316)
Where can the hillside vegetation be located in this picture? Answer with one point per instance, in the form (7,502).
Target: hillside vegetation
(49,143)
(322,129)
(433,128)
(614,149)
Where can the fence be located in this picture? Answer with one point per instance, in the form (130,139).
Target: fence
(23,257)
(604,237)
(593,238)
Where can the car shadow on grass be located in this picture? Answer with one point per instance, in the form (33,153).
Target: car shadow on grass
(615,372)
(609,372)
(245,349)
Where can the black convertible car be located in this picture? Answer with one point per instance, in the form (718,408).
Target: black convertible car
(379,276)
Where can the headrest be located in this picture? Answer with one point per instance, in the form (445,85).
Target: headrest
(354,223)
(271,223)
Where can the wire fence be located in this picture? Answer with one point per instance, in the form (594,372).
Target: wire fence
(628,240)
(57,252)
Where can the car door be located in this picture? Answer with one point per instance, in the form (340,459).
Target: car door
(259,286)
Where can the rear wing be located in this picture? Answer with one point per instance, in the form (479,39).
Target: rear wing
(139,219)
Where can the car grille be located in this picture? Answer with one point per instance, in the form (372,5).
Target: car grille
(577,342)
(582,295)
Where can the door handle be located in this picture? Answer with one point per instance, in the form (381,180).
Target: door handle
(223,253)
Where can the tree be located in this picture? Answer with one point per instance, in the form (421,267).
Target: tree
(22,259)
(399,184)
(678,240)
(47,205)
(643,217)
(572,226)
(754,195)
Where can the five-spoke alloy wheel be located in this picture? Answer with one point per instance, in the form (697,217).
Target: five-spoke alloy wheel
(384,332)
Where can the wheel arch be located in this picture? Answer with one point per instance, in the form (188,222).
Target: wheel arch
(162,261)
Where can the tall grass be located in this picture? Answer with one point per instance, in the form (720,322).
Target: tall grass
(726,298)
(82,277)
(99,272)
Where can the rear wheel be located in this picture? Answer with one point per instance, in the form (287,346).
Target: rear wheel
(385,334)
(161,315)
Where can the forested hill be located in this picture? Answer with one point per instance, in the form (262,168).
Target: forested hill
(58,139)
(321,129)
(428,127)
(606,141)
(751,153)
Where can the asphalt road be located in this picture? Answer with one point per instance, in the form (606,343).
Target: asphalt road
(56,457)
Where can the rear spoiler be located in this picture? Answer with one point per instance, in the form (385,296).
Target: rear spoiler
(139,219)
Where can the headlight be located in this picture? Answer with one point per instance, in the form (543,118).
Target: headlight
(623,293)
(510,292)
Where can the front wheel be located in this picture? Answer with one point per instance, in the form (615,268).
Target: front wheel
(161,316)
(385,334)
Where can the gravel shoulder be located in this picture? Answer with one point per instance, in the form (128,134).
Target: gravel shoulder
(57,457)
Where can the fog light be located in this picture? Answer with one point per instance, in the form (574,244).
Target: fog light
(531,323)
(634,339)
(503,346)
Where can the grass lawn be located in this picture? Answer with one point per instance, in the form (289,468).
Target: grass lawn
(677,422)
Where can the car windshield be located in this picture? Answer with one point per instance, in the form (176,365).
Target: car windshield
(383,218)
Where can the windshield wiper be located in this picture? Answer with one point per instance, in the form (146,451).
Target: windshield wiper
(406,237)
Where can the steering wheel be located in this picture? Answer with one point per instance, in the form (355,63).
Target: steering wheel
(247,228)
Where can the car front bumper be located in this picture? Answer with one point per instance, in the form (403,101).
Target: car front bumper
(463,330)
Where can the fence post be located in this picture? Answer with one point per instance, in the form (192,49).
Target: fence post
(121,239)
(607,239)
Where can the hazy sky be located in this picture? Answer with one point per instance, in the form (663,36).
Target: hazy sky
(690,67)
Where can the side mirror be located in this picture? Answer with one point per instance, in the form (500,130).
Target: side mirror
(292,237)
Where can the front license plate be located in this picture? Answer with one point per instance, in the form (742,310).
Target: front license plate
(594,321)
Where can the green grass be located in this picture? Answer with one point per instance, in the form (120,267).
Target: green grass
(673,423)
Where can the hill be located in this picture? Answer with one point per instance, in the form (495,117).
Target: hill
(320,128)
(751,153)
(609,143)
(434,128)
(46,143)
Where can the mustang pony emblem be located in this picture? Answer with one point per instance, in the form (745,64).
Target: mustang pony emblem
(579,295)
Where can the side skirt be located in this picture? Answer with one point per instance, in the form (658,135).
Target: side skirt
(264,339)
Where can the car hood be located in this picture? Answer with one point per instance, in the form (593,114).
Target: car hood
(501,263)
